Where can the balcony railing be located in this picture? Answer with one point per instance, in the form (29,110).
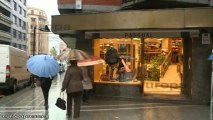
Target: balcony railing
(5,34)
(5,18)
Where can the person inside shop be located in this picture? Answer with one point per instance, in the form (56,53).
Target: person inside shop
(122,68)
(111,59)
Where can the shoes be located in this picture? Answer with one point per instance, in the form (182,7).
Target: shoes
(85,102)
(46,106)
(68,115)
(76,118)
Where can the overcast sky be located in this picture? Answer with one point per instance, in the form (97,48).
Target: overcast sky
(49,6)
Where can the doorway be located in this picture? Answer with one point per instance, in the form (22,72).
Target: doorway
(163,65)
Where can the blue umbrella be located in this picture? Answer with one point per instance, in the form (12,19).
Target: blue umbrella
(210,57)
(43,66)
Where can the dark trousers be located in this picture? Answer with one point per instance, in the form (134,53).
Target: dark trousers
(86,94)
(76,96)
(45,86)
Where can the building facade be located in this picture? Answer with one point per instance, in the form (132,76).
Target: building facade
(36,20)
(180,32)
(14,23)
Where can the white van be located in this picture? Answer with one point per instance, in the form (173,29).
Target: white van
(13,70)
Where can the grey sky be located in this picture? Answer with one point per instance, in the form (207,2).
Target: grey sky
(49,6)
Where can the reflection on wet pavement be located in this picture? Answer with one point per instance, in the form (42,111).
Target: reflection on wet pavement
(27,104)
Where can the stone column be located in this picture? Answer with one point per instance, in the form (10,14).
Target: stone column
(201,70)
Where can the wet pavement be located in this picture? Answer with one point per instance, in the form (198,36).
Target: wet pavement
(27,104)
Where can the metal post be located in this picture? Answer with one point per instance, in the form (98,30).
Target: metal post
(34,40)
(211,102)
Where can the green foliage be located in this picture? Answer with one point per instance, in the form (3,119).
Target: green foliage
(154,71)
(53,51)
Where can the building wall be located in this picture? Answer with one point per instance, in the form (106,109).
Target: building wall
(93,2)
(5,22)
(69,6)
(201,69)
(37,18)
(19,26)
(13,29)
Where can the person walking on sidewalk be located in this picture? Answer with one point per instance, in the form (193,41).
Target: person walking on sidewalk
(87,84)
(73,85)
(45,86)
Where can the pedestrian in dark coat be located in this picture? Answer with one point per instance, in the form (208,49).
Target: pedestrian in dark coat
(73,85)
(45,86)
(87,84)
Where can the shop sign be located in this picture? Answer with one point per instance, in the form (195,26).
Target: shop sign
(138,35)
(205,38)
(78,4)
(121,34)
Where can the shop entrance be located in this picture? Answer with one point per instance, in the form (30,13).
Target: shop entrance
(163,64)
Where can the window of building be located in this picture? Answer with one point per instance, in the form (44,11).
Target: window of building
(14,5)
(32,12)
(20,22)
(31,26)
(24,36)
(33,19)
(20,10)
(24,25)
(24,47)
(19,46)
(14,44)
(14,33)
(25,3)
(14,19)
(19,35)
(25,13)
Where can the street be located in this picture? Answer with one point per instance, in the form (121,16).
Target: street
(27,104)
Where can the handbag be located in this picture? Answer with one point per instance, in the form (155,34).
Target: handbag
(61,103)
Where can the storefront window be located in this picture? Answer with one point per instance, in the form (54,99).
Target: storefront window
(121,60)
(135,60)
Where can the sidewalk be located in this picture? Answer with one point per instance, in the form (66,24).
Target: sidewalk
(29,102)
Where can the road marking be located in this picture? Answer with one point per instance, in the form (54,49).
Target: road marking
(135,108)
(114,109)
(121,105)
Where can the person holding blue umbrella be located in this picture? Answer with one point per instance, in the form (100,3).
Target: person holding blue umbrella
(45,86)
(44,67)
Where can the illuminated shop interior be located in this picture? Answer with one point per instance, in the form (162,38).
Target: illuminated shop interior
(155,63)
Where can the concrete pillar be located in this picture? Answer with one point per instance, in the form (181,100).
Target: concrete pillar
(83,43)
(69,40)
(186,85)
(201,71)
(211,3)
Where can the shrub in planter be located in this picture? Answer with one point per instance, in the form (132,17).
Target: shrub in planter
(154,71)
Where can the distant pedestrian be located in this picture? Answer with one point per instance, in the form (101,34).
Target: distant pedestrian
(73,85)
(87,84)
(32,81)
(45,86)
